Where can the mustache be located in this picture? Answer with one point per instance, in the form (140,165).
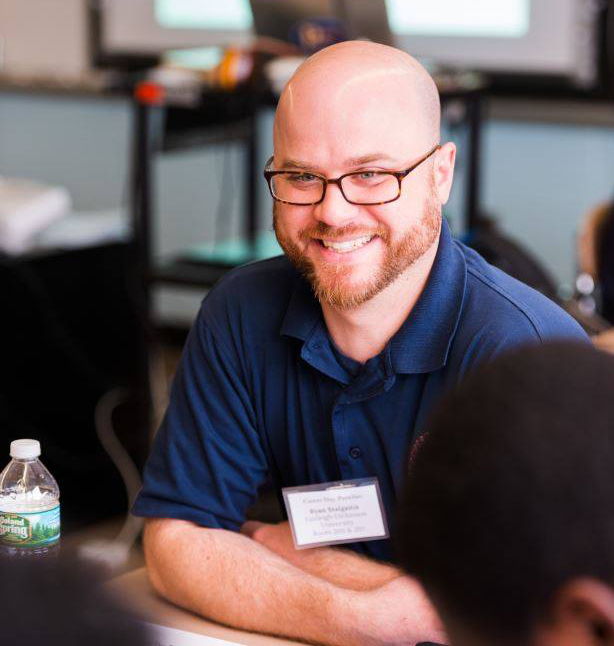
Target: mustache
(321,230)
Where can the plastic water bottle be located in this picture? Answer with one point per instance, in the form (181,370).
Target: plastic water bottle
(29,505)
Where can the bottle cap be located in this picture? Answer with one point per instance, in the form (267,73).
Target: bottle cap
(24,449)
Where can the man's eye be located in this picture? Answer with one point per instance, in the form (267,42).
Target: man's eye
(368,178)
(305,177)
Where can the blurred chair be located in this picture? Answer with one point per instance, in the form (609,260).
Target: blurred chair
(506,254)
(596,254)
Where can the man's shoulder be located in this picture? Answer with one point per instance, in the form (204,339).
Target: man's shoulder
(264,275)
(256,294)
(496,301)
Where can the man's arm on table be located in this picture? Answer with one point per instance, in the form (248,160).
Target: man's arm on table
(234,580)
(338,566)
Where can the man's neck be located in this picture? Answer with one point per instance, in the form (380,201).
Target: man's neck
(363,332)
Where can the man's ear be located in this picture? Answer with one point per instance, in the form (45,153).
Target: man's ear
(443,171)
(582,614)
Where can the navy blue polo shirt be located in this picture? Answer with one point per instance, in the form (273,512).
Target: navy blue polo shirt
(262,391)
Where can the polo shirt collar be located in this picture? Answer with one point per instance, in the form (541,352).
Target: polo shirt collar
(303,313)
(422,343)
(304,321)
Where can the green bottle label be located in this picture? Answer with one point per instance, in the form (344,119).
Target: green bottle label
(22,529)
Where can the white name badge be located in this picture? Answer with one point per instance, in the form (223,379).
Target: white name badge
(336,512)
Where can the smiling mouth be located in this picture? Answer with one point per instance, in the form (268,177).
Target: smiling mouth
(347,245)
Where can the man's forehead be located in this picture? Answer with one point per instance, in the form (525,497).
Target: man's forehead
(373,106)
(368,129)
(379,88)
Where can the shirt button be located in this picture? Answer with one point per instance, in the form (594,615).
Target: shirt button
(315,346)
(355,452)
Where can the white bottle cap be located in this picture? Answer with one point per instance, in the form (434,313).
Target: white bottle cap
(24,449)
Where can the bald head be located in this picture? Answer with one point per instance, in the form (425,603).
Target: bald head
(356,76)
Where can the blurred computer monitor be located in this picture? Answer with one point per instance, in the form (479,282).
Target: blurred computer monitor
(539,37)
(528,37)
(361,18)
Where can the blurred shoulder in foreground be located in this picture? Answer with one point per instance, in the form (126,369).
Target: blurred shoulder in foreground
(59,603)
(508,512)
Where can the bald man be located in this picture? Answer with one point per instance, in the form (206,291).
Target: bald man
(321,365)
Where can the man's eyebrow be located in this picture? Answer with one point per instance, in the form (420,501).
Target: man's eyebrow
(349,163)
(296,163)
(368,159)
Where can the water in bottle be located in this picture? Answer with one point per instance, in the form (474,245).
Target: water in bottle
(29,504)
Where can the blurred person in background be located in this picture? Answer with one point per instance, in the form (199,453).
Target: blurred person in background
(596,261)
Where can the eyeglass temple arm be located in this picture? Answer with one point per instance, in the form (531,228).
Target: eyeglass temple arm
(268,163)
(423,159)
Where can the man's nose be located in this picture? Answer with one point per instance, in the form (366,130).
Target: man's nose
(334,209)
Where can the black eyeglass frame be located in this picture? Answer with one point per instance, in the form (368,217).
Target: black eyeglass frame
(399,174)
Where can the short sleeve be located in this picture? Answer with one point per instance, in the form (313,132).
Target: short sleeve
(207,460)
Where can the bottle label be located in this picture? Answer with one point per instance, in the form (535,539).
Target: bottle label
(25,529)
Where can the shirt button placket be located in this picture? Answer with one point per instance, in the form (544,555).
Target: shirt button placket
(341,448)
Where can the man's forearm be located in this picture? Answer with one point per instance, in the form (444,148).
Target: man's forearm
(337,566)
(234,580)
(344,568)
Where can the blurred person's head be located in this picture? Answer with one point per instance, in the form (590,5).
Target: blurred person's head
(359,107)
(60,603)
(596,255)
(508,511)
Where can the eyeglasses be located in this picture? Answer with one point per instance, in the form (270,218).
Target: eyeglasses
(363,187)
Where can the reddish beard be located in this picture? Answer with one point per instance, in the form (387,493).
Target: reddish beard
(331,281)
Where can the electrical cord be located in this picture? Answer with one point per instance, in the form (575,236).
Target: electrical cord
(103,418)
(115,553)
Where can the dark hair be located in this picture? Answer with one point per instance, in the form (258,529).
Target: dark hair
(512,492)
(60,603)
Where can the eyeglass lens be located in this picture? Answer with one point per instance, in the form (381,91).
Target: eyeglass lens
(363,188)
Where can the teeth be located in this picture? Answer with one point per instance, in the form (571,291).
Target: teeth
(347,245)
